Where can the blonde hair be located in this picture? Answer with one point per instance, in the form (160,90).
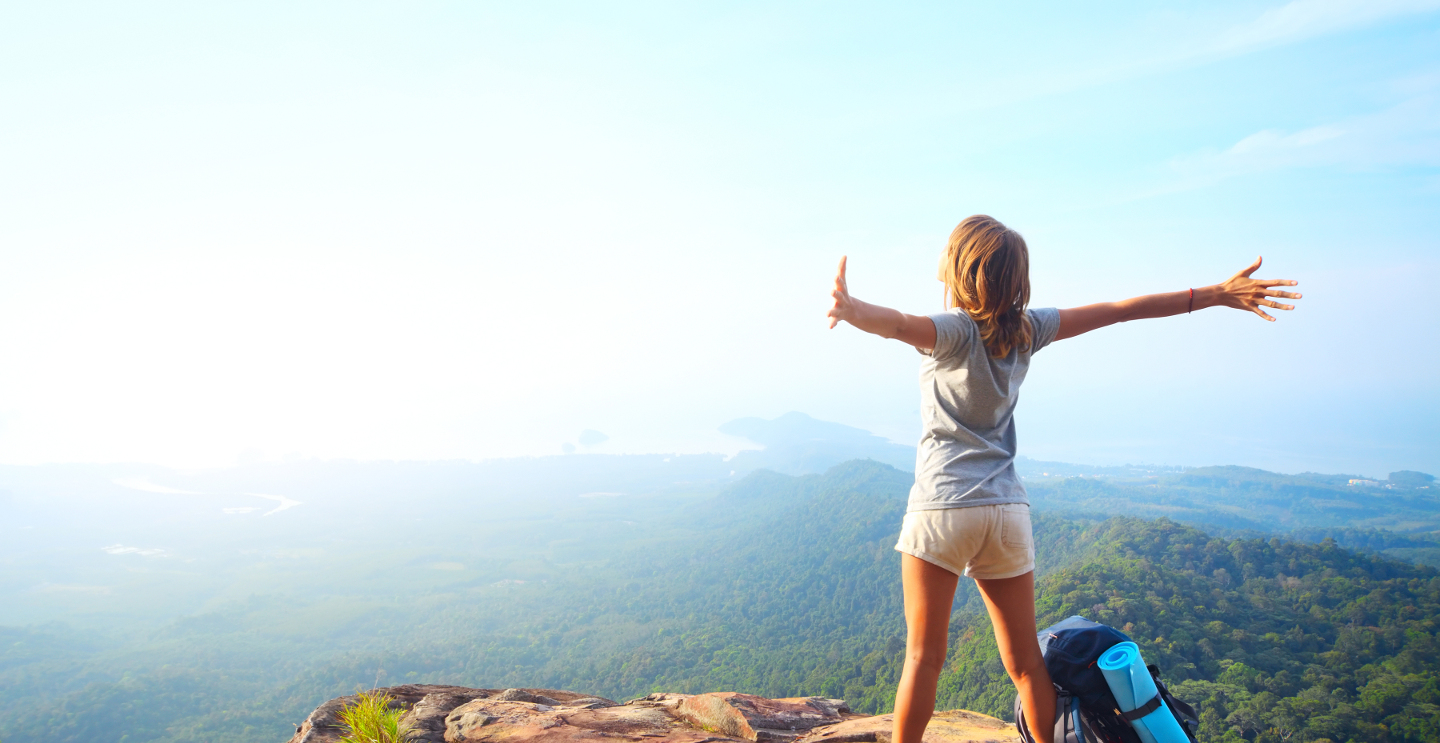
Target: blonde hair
(986,270)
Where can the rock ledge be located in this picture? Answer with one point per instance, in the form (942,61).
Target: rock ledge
(456,714)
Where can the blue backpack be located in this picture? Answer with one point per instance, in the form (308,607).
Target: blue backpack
(1085,709)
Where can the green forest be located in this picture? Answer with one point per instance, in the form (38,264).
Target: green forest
(776,585)
(1270,640)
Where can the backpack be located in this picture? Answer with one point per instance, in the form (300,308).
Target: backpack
(1085,708)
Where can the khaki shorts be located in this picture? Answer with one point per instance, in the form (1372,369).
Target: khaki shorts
(986,542)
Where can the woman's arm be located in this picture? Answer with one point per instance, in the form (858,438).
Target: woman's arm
(1239,291)
(916,330)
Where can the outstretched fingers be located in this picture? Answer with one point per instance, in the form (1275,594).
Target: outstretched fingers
(1267,292)
(1245,293)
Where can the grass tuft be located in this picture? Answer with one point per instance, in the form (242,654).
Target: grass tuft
(371,719)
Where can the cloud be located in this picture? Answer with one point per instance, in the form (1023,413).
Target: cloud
(1272,140)
(1404,136)
(1306,19)
(1189,44)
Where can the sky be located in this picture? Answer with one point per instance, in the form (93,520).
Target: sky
(238,231)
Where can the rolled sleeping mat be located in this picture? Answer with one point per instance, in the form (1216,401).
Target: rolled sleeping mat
(1133,687)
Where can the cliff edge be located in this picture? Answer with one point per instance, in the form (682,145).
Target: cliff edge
(455,714)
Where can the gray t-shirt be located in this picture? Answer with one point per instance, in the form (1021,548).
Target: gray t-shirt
(966,455)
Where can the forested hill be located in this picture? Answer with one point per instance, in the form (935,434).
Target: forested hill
(1399,516)
(776,585)
(1271,640)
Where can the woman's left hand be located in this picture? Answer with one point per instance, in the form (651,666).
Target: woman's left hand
(1244,293)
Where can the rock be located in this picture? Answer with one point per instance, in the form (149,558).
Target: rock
(493,720)
(323,725)
(591,703)
(455,714)
(955,726)
(427,717)
(835,707)
(664,699)
(521,695)
(428,705)
(757,718)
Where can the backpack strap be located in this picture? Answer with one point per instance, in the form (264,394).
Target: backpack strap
(1142,710)
(1070,724)
(1184,713)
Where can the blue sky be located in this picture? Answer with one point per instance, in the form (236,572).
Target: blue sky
(468,230)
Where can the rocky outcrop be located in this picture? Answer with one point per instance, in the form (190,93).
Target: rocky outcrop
(454,714)
(953,726)
(749,717)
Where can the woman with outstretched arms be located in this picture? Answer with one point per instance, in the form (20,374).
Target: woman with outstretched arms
(968,513)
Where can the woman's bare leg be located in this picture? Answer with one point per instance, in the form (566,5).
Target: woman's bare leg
(929,593)
(1011,603)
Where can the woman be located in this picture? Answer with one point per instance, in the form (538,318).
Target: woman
(968,512)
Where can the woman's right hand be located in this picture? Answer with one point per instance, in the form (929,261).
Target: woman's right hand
(844,305)
(1244,293)
(917,330)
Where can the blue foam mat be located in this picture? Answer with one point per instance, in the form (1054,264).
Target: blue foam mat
(1132,686)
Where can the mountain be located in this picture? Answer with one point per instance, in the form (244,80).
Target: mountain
(796,444)
(138,606)
(1398,517)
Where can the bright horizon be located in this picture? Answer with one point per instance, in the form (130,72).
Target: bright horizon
(459,232)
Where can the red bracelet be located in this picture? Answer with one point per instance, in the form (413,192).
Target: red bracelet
(1192,302)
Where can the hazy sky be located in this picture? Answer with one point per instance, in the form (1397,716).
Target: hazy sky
(441,230)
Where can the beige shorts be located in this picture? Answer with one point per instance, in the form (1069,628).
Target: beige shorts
(986,542)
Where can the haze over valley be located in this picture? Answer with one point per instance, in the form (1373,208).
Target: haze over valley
(225,603)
